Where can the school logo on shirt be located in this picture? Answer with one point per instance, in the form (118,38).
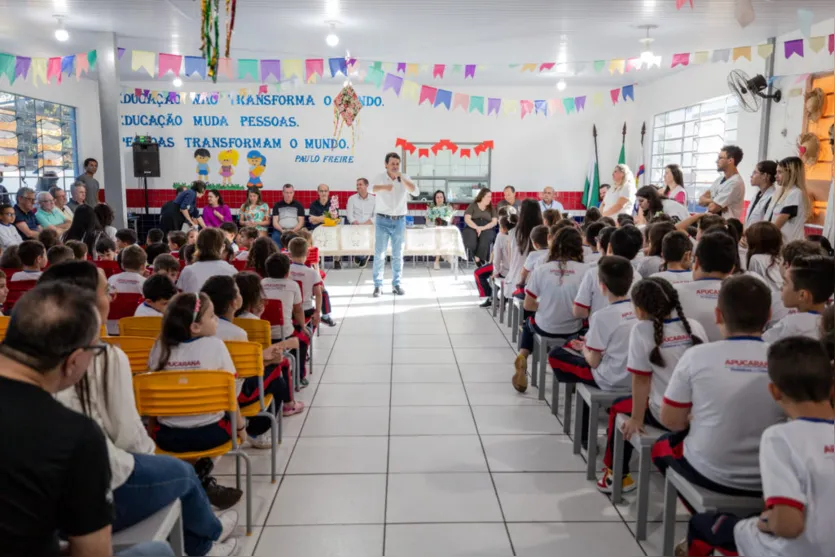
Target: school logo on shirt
(829,449)
(677,340)
(627,315)
(711,293)
(746,365)
(187,363)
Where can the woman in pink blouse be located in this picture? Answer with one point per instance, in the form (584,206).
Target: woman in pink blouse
(215,212)
(674,184)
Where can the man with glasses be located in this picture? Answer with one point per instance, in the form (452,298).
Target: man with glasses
(316,213)
(48,215)
(727,194)
(25,220)
(60,197)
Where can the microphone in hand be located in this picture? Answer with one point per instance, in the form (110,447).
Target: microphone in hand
(399,180)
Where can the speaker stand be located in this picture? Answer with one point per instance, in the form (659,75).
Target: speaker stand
(145,183)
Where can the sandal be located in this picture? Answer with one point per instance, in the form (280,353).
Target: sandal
(297,407)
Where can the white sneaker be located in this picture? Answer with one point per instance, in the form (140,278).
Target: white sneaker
(228,522)
(437,266)
(263,441)
(223,549)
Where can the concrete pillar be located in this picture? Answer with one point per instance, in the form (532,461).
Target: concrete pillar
(110,165)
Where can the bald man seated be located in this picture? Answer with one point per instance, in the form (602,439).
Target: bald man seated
(548,201)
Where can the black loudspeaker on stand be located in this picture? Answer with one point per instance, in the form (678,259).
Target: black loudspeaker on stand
(145,162)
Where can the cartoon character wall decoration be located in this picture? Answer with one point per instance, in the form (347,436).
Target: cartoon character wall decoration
(228,160)
(202,156)
(257,164)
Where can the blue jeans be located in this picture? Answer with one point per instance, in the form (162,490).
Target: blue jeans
(148,549)
(155,482)
(387,228)
(276,237)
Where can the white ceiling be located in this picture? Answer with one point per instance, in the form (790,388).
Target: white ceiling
(492,33)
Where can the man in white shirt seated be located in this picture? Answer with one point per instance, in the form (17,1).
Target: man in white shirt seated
(548,201)
(361,210)
(727,194)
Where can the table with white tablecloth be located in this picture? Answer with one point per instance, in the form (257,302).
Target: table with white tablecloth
(358,240)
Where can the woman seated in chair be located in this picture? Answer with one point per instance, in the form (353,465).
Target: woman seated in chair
(439,213)
(480,219)
(142,482)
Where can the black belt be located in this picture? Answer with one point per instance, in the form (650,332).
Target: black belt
(392,217)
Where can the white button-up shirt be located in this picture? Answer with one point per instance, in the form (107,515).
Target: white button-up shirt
(392,202)
(361,210)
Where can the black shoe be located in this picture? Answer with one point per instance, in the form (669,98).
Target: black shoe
(486,303)
(328,321)
(337,264)
(220,496)
(377,291)
(363,262)
(397,290)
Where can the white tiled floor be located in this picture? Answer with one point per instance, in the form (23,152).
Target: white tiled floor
(415,443)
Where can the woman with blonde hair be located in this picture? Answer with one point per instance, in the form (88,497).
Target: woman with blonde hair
(621,196)
(792,205)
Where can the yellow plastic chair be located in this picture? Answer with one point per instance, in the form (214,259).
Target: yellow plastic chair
(248,358)
(149,327)
(257,330)
(102,331)
(4,325)
(190,393)
(137,349)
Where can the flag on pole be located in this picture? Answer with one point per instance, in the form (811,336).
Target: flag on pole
(591,189)
(641,167)
(622,157)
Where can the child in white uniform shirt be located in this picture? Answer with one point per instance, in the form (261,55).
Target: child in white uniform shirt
(131,280)
(808,286)
(208,261)
(717,403)
(9,236)
(157,291)
(591,250)
(677,252)
(550,292)
(653,261)
(714,261)
(625,242)
(500,264)
(656,344)
(606,347)
(278,286)
(797,459)
(791,251)
(33,256)
(311,283)
(763,254)
(246,236)
(539,241)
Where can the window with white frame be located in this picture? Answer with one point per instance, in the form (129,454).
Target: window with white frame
(692,137)
(460,178)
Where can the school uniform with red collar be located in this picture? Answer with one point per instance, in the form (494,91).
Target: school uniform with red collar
(26,275)
(589,295)
(204,431)
(797,460)
(725,387)
(242,255)
(675,342)
(145,310)
(675,276)
(309,279)
(127,283)
(806,324)
(698,300)
(290,294)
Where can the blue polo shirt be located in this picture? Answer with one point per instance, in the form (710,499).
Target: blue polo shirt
(187,200)
(28,218)
(52,218)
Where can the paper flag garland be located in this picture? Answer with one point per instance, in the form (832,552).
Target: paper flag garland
(443,98)
(616,66)
(794,47)
(477,103)
(493,105)
(438,70)
(196,65)
(143,60)
(427,94)
(312,68)
(680,60)
(742,52)
(393,82)
(460,100)
(169,63)
(270,68)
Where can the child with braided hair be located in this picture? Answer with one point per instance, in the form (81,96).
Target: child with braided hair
(656,344)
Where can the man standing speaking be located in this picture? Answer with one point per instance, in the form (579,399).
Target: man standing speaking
(392,190)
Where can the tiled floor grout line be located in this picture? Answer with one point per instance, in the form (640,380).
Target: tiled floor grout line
(478,433)
(388,437)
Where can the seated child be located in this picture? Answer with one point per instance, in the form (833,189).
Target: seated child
(808,285)
(226,298)
(550,217)
(187,254)
(105,249)
(602,363)
(549,293)
(714,261)
(246,237)
(33,257)
(717,403)
(48,237)
(157,291)
(315,303)
(209,261)
(176,241)
(9,236)
(652,262)
(132,277)
(191,237)
(791,251)
(796,460)
(591,253)
(253,298)
(624,220)
(823,242)
(155,236)
(625,242)
(500,264)
(166,265)
(592,215)
(230,232)
(279,286)
(79,249)
(125,237)
(539,241)
(765,242)
(656,345)
(261,250)
(153,250)
(286,237)
(677,252)
(10,258)
(187,342)
(58,254)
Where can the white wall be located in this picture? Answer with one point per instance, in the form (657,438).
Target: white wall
(84,96)
(529,153)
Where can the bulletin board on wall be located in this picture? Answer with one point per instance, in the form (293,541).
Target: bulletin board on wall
(819,176)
